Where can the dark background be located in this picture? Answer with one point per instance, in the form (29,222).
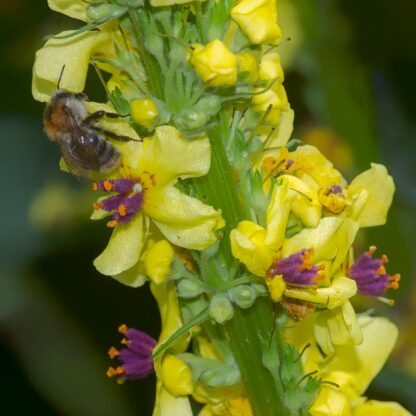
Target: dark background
(350,76)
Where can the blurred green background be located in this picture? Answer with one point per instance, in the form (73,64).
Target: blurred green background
(350,76)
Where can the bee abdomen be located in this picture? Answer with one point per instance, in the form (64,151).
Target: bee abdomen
(108,156)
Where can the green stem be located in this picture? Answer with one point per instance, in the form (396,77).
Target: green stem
(250,330)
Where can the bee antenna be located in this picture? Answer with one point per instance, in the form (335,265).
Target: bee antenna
(60,76)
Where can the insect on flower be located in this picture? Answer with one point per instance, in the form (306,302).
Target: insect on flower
(83,147)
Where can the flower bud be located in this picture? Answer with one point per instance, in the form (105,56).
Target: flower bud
(247,63)
(223,376)
(243,295)
(275,99)
(191,119)
(210,104)
(259,288)
(270,67)
(215,64)
(220,308)
(157,260)
(176,376)
(144,111)
(188,289)
(257,19)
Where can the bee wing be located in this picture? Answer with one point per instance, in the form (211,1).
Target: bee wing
(73,165)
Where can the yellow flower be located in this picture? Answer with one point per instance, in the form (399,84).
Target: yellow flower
(351,367)
(215,64)
(75,54)
(258,20)
(155,165)
(169,398)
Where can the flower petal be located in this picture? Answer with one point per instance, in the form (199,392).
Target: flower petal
(283,131)
(74,53)
(342,325)
(166,404)
(169,155)
(71,8)
(376,408)
(319,238)
(277,216)
(330,402)
(315,165)
(248,246)
(363,362)
(183,220)
(124,247)
(342,288)
(133,277)
(380,188)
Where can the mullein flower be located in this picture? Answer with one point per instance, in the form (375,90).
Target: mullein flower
(151,169)
(347,371)
(135,357)
(371,276)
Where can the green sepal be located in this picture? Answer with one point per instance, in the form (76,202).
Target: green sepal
(213,373)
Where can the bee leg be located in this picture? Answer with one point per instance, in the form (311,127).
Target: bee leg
(100,114)
(113,136)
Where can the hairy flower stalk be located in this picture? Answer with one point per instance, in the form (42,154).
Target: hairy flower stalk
(244,236)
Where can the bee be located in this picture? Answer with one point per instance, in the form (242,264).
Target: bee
(82,143)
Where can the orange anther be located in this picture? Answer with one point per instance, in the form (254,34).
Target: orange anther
(114,371)
(113,352)
(122,210)
(123,328)
(97,205)
(108,186)
(125,341)
(94,186)
(371,250)
(112,224)
(384,258)
(381,270)
(395,278)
